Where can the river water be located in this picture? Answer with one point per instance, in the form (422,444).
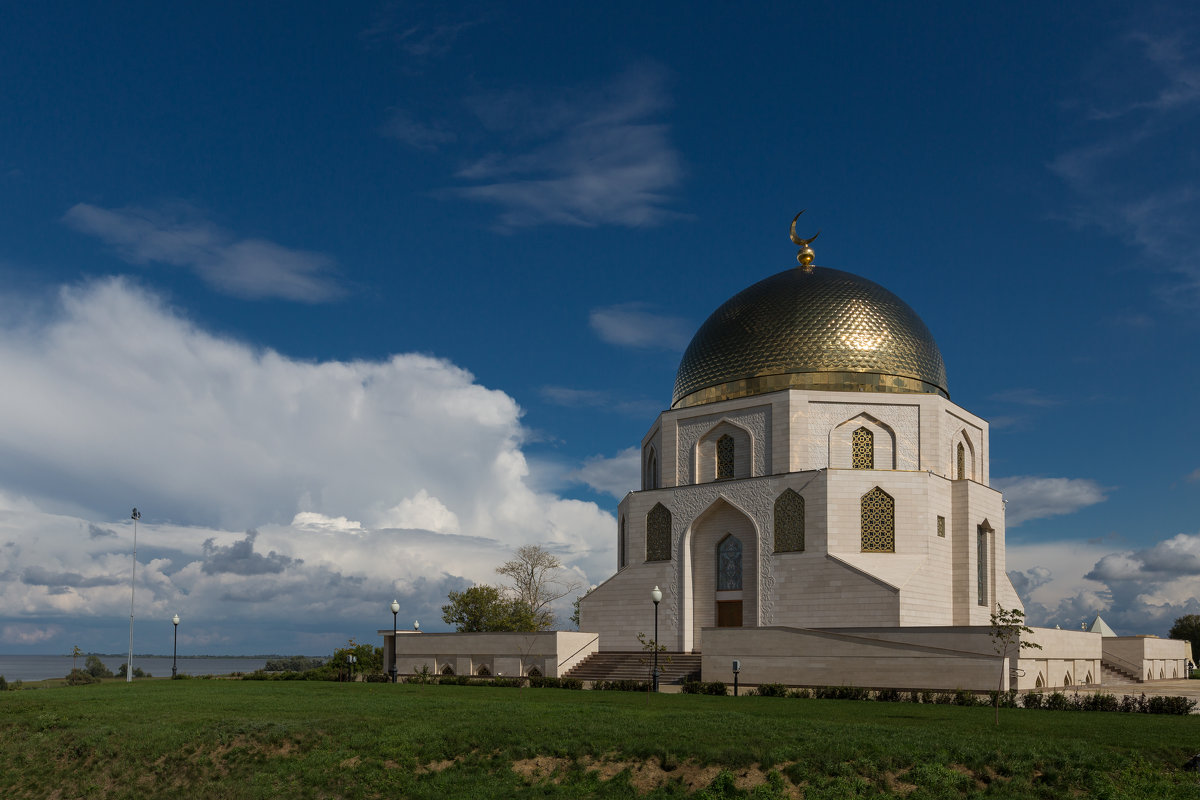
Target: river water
(37,668)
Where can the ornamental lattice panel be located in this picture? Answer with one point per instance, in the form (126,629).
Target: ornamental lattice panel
(789,522)
(862,449)
(878,522)
(658,534)
(729,564)
(725,457)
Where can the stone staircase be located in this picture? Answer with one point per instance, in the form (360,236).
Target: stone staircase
(1110,673)
(634,665)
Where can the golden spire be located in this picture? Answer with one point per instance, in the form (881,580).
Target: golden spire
(806,254)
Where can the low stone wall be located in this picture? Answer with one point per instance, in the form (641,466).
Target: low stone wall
(899,658)
(1067,658)
(1150,657)
(550,653)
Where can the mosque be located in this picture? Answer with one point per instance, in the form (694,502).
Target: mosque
(814,506)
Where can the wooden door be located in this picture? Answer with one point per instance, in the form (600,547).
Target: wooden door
(729,614)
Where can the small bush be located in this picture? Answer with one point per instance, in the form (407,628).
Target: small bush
(800,694)
(293,664)
(888,696)
(555,683)
(79,677)
(1171,705)
(508,683)
(771,690)
(621,686)
(1033,700)
(377,677)
(841,693)
(964,698)
(3,684)
(1057,701)
(705,687)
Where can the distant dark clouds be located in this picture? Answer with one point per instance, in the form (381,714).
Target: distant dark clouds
(96,532)
(239,558)
(178,235)
(39,576)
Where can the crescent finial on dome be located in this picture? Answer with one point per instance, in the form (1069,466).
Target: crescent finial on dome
(806,254)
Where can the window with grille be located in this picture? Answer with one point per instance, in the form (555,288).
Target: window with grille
(878,522)
(982,571)
(729,564)
(725,457)
(962,461)
(941,527)
(862,449)
(789,522)
(658,534)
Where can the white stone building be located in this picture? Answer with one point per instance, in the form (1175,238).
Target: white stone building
(814,505)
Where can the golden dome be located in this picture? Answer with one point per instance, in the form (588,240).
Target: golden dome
(827,329)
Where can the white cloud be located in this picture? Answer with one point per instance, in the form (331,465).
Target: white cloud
(616,476)
(634,325)
(585,157)
(282,480)
(179,236)
(407,129)
(25,635)
(1031,497)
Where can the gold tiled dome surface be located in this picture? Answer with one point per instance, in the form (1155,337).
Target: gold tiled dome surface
(826,329)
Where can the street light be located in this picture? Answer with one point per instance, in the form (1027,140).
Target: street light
(416,624)
(395,611)
(135,516)
(175,649)
(656,596)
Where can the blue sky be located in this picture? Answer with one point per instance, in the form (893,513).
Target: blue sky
(353,302)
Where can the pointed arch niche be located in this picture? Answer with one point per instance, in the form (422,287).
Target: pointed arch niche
(722,530)
(650,468)
(963,464)
(724,452)
(864,428)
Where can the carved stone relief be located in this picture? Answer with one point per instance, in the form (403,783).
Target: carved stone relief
(689,432)
(904,420)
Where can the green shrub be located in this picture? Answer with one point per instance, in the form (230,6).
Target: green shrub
(293,664)
(888,696)
(79,677)
(555,683)
(1033,700)
(964,698)
(377,677)
(800,694)
(1171,705)
(705,687)
(508,683)
(1057,701)
(3,684)
(621,686)
(95,667)
(771,690)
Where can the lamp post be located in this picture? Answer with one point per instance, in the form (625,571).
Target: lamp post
(656,596)
(395,611)
(175,648)
(135,516)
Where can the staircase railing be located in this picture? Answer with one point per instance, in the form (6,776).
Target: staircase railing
(585,646)
(1119,664)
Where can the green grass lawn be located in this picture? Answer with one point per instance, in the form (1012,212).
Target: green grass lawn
(232,739)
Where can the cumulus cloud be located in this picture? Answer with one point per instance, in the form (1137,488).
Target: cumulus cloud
(1031,497)
(179,236)
(277,495)
(584,156)
(617,476)
(636,325)
(1142,591)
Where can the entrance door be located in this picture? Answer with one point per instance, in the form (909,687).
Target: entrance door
(729,613)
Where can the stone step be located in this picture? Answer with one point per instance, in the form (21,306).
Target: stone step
(635,665)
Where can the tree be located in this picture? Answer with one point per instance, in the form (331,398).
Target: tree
(1187,628)
(75,653)
(95,667)
(538,582)
(486,608)
(1007,627)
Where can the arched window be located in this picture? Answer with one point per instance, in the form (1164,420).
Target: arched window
(789,522)
(1067,679)
(534,672)
(658,534)
(483,671)
(941,526)
(651,479)
(621,545)
(962,461)
(1040,683)
(447,669)
(878,522)
(725,457)
(981,562)
(729,564)
(862,449)
(1088,679)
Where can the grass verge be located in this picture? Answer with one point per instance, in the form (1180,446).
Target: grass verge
(233,739)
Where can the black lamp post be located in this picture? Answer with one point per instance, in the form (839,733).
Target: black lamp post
(395,611)
(656,596)
(175,648)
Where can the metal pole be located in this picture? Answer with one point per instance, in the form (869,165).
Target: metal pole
(656,645)
(394,613)
(135,516)
(175,651)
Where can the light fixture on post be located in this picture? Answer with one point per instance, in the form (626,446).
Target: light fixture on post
(395,611)
(656,596)
(417,625)
(135,516)
(175,648)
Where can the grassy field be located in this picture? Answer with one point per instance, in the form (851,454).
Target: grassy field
(233,739)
